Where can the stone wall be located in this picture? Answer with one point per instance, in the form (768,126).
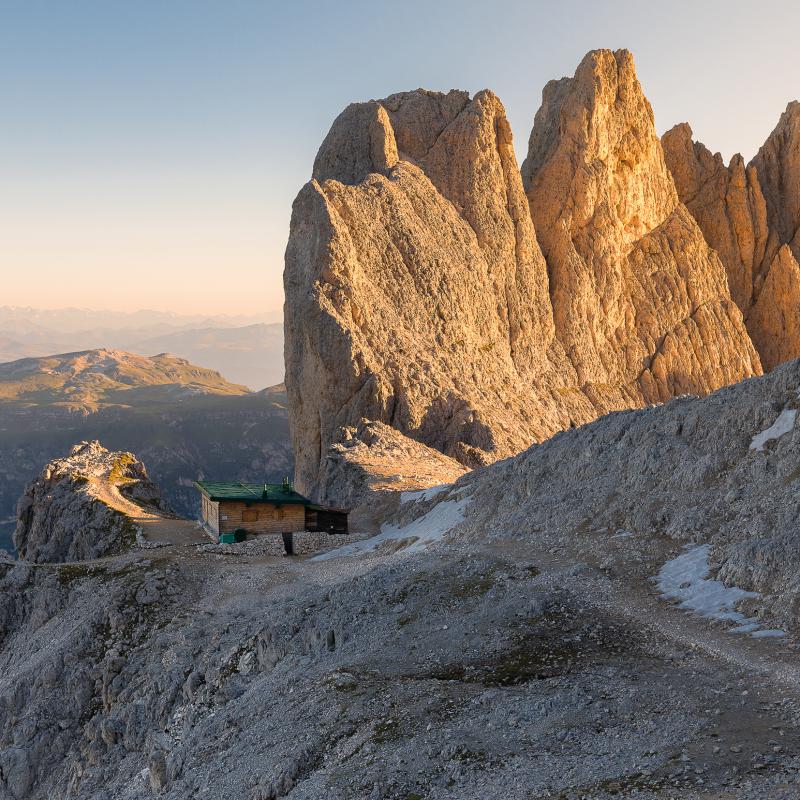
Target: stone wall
(306,542)
(268,544)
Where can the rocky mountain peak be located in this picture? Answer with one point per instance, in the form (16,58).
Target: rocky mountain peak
(83,506)
(411,293)
(618,243)
(360,141)
(594,148)
(433,287)
(751,216)
(778,166)
(727,203)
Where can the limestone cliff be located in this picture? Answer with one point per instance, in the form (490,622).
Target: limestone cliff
(778,166)
(417,294)
(751,217)
(639,299)
(774,320)
(728,205)
(75,509)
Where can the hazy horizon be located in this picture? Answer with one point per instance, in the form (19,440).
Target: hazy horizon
(151,152)
(268,316)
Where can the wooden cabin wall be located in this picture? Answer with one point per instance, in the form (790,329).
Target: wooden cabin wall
(268,517)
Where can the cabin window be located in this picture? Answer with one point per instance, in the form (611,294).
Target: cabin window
(278,513)
(249,515)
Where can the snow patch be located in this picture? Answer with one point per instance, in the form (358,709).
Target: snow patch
(425,530)
(424,494)
(773,633)
(685,579)
(782,425)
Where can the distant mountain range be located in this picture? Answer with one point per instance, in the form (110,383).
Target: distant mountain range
(83,319)
(245,349)
(95,380)
(184,421)
(251,354)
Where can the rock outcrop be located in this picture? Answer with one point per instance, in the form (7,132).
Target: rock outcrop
(374,459)
(774,319)
(640,301)
(728,205)
(417,294)
(778,166)
(751,216)
(416,291)
(69,513)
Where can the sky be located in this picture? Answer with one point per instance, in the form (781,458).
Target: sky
(150,150)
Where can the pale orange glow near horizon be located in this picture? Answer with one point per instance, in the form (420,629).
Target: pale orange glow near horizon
(191,272)
(150,152)
(156,244)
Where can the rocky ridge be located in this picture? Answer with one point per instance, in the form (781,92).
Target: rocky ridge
(93,380)
(68,513)
(751,216)
(721,470)
(418,296)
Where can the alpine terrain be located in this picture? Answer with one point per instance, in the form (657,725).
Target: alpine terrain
(434,287)
(552,409)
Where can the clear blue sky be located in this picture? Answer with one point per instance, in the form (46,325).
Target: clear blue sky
(150,149)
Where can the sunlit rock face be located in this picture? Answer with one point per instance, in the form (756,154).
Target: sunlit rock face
(751,215)
(433,287)
(640,301)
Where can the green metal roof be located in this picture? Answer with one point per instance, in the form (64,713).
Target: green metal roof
(252,492)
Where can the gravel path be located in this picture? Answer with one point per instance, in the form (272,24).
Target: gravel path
(155,526)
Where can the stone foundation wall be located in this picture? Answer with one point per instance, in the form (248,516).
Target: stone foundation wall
(268,544)
(306,542)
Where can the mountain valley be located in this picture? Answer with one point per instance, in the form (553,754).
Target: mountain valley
(186,421)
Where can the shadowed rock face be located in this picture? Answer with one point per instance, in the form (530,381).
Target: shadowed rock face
(750,216)
(417,293)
